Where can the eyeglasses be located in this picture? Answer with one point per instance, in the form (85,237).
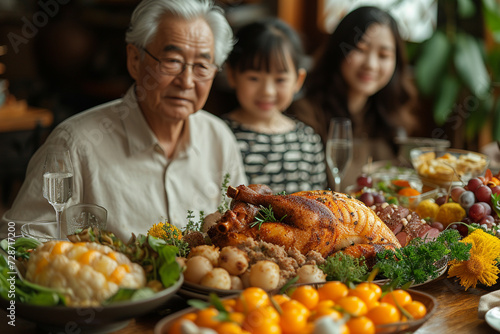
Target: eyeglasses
(171,66)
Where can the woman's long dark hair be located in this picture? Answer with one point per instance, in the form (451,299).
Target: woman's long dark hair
(327,89)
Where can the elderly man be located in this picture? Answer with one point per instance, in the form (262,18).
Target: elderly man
(154,154)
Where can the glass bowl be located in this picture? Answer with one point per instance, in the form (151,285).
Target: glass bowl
(41,231)
(446,167)
(384,183)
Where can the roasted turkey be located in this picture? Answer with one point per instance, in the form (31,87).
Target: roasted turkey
(324,221)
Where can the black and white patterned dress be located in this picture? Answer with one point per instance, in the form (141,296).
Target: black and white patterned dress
(292,161)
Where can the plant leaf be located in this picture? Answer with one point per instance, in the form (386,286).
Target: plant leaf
(469,63)
(495,131)
(432,62)
(466,8)
(478,117)
(491,14)
(446,99)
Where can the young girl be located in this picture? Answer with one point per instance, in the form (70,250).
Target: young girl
(362,74)
(265,71)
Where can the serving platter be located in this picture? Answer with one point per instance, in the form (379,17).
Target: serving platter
(430,303)
(101,319)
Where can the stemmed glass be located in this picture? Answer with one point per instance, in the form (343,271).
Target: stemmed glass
(58,182)
(339,148)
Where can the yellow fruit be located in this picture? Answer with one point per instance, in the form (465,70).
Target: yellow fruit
(427,209)
(449,213)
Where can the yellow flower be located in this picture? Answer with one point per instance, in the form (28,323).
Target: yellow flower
(165,231)
(481,265)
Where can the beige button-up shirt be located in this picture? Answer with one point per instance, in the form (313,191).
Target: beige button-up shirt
(119,164)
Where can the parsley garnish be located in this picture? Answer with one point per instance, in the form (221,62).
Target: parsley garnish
(344,268)
(417,261)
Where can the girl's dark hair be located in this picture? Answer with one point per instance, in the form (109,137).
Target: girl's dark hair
(326,86)
(264,43)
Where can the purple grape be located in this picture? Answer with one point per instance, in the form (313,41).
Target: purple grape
(467,199)
(487,220)
(474,183)
(477,212)
(462,229)
(495,190)
(487,208)
(366,198)
(438,226)
(456,192)
(378,198)
(440,200)
(364,181)
(483,194)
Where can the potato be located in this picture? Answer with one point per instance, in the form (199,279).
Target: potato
(236,283)
(218,278)
(245,279)
(210,252)
(234,260)
(196,268)
(265,275)
(310,274)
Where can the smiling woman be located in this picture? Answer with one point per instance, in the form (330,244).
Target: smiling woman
(362,74)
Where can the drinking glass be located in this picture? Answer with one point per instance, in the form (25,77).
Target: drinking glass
(58,182)
(339,147)
(84,215)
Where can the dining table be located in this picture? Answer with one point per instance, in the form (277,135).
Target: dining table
(456,312)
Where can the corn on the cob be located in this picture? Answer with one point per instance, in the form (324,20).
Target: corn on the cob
(89,273)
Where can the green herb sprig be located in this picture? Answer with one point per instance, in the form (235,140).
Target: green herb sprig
(416,262)
(344,268)
(224,206)
(265,215)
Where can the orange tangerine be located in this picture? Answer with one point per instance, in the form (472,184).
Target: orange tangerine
(397,297)
(250,299)
(416,309)
(372,286)
(367,295)
(353,305)
(307,295)
(207,318)
(383,314)
(333,290)
(361,325)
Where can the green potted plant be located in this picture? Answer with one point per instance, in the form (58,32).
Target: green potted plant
(460,71)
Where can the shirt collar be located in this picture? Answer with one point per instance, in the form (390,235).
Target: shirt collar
(140,136)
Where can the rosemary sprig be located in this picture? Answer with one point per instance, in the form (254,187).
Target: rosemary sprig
(265,215)
(224,206)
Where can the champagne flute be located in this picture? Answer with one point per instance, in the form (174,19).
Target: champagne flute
(339,148)
(58,182)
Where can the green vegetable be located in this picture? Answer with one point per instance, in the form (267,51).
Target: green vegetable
(125,294)
(416,262)
(12,288)
(265,215)
(344,268)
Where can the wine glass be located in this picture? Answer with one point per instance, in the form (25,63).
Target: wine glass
(339,148)
(58,182)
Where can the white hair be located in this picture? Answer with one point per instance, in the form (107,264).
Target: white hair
(147,15)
